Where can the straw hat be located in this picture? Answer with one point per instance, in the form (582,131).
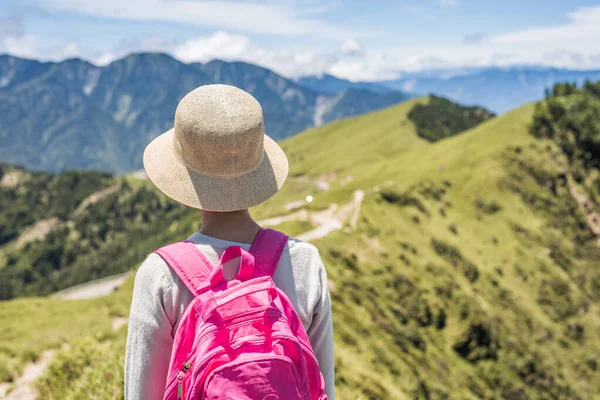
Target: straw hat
(217,158)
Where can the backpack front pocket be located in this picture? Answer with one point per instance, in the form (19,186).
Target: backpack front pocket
(262,377)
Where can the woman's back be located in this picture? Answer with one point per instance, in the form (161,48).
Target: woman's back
(218,159)
(160,299)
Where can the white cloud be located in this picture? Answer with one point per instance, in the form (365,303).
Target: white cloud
(106,58)
(221,45)
(248,16)
(20,46)
(582,32)
(371,66)
(572,45)
(231,47)
(35,47)
(133,45)
(350,47)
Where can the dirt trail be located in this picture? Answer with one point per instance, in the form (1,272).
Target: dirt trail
(97,288)
(22,388)
(327,221)
(359,196)
(141,174)
(41,228)
(11,180)
(22,385)
(37,231)
(95,197)
(587,208)
(302,215)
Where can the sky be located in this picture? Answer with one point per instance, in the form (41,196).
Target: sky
(351,39)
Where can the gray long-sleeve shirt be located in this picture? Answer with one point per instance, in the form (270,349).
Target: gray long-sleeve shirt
(160,299)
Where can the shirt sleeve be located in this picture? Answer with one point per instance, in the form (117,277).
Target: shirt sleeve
(320,334)
(149,338)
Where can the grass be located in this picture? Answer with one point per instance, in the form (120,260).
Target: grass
(31,325)
(412,319)
(294,228)
(91,369)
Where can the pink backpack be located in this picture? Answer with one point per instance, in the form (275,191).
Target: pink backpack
(240,339)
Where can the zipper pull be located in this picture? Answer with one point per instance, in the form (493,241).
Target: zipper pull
(186,366)
(180,385)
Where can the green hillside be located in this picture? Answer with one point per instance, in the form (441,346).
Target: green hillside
(88,238)
(471,273)
(441,118)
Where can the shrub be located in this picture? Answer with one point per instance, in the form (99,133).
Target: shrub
(91,369)
(402,199)
(452,255)
(478,342)
(487,208)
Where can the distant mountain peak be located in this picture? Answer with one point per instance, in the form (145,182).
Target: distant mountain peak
(499,89)
(102,117)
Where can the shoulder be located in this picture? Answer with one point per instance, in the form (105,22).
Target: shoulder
(154,271)
(303,250)
(309,276)
(305,258)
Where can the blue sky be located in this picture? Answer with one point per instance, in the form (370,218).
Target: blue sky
(357,40)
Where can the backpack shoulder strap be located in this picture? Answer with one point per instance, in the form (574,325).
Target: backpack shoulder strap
(189,264)
(267,249)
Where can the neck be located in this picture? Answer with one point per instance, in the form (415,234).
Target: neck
(234,226)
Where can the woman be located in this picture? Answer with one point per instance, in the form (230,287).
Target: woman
(218,159)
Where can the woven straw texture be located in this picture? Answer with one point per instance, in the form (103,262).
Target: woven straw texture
(217,157)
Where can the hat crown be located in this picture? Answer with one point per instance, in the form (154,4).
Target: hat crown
(219,131)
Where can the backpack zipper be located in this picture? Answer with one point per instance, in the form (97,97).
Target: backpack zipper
(184,368)
(253,316)
(256,340)
(268,311)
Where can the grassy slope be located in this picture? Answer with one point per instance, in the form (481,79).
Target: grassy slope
(32,325)
(475,165)
(401,304)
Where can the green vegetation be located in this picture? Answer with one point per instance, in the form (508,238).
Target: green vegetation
(91,369)
(571,118)
(111,236)
(441,118)
(294,228)
(38,196)
(29,326)
(472,273)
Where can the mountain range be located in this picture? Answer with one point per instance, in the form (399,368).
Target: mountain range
(497,89)
(75,115)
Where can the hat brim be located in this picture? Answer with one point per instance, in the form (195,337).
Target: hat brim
(193,189)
